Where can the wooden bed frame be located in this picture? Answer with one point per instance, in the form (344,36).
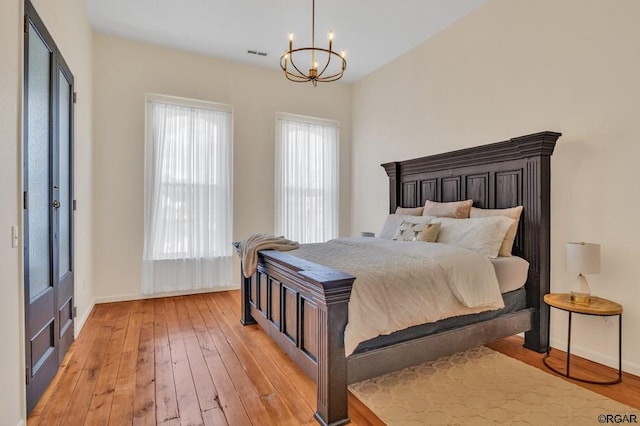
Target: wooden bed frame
(303,306)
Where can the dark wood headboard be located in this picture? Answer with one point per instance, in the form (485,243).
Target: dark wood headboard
(499,175)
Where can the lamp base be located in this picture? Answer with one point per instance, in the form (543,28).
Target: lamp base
(580,298)
(581,293)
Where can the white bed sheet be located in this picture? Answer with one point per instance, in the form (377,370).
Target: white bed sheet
(511,272)
(401,284)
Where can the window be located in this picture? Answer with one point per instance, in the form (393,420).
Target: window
(188,223)
(306,178)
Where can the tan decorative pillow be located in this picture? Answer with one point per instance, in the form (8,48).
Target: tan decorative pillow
(410,211)
(430,232)
(409,231)
(513,213)
(455,209)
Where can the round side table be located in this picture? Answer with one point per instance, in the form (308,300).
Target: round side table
(599,307)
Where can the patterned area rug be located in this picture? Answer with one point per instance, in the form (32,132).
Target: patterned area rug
(482,387)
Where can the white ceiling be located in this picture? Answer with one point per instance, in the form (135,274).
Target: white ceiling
(372,32)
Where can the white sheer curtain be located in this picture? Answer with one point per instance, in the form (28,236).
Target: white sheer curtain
(188,225)
(306,178)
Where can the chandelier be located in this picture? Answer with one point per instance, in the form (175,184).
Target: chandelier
(328,71)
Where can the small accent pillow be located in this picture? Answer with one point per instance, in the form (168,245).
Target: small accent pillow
(410,211)
(409,231)
(514,213)
(483,235)
(393,221)
(455,209)
(430,232)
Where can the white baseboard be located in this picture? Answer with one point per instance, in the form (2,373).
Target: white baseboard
(627,367)
(140,296)
(81,321)
(21,423)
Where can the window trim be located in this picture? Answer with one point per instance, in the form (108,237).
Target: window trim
(308,119)
(188,102)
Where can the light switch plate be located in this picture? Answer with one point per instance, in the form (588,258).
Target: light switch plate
(15,238)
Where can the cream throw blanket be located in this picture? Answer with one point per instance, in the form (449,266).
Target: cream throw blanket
(250,247)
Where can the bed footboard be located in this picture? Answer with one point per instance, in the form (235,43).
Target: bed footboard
(303,306)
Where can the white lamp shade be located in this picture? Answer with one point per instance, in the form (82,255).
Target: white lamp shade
(583,258)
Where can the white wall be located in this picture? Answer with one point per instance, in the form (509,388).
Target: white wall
(511,68)
(124,71)
(67,23)
(12,404)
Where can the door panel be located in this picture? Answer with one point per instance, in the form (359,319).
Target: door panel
(63,193)
(42,346)
(48,213)
(64,190)
(38,170)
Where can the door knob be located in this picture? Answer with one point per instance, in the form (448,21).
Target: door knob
(56,204)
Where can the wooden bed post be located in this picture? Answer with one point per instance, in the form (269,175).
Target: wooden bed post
(393,171)
(333,314)
(245,289)
(537,150)
(331,298)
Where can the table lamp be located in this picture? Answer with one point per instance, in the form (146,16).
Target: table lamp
(583,258)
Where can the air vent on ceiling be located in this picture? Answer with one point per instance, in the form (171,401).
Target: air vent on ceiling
(255,52)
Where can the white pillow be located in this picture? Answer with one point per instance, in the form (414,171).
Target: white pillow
(393,221)
(514,213)
(483,235)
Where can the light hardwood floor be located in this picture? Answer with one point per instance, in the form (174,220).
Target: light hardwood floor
(188,361)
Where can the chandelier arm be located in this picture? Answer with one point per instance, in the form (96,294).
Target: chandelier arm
(295,79)
(333,77)
(293,76)
(299,77)
(330,54)
(296,68)
(327,64)
(301,49)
